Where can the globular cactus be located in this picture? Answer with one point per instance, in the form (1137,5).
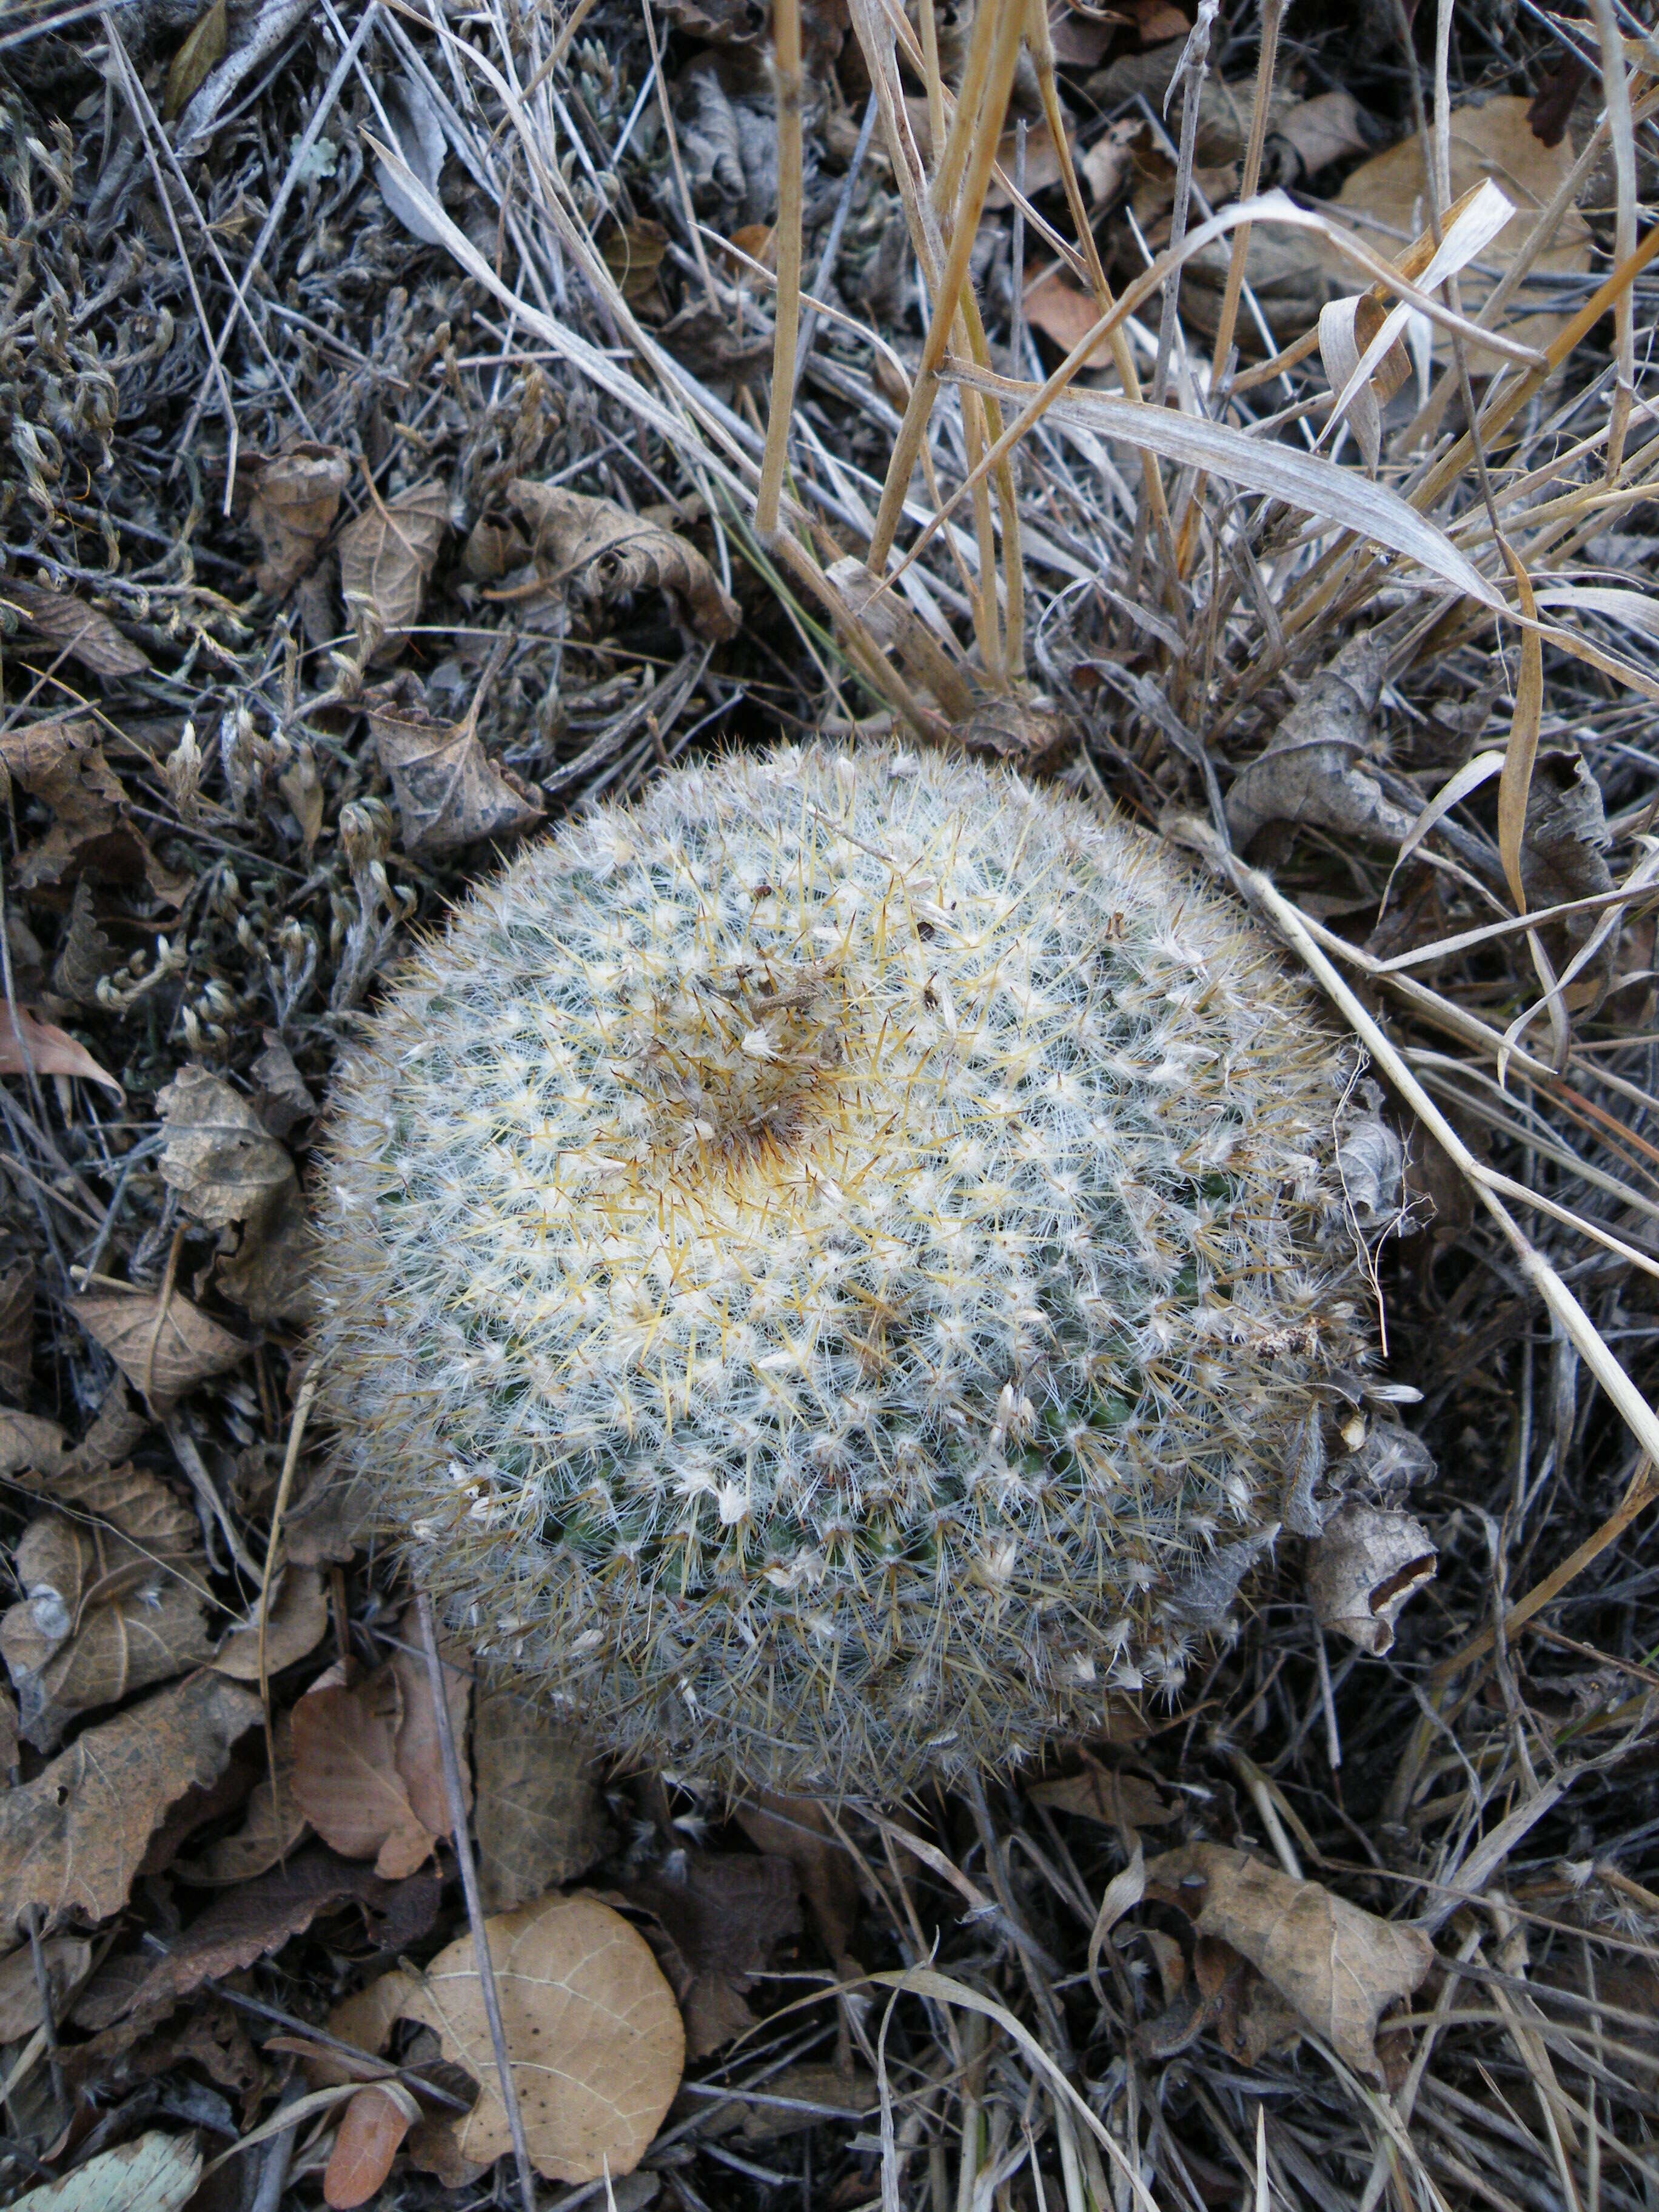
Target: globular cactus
(836,1267)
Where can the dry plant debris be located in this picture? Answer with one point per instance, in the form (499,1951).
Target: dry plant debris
(384,473)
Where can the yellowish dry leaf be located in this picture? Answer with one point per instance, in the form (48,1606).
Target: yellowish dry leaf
(1385,197)
(200,54)
(593,2036)
(1339,1968)
(71,1839)
(161,1352)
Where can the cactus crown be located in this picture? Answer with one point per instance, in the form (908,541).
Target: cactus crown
(826,1268)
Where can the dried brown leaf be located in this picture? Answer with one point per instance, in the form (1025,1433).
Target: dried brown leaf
(253,1920)
(280,1092)
(345,1774)
(219,1156)
(593,2036)
(798,1829)
(28,1442)
(1495,140)
(201,53)
(1339,1967)
(296,496)
(1317,769)
(27,1042)
(71,1839)
(60,761)
(298,1624)
(1362,1568)
(158,1524)
(272,1826)
(85,955)
(365,2019)
(64,623)
(1109,1796)
(105,1612)
(67,1959)
(1327,128)
(447,790)
(163,1353)
(270,1271)
(386,559)
(373,2128)
(227,1167)
(721,1914)
(148,1630)
(419,1755)
(540,1818)
(603,552)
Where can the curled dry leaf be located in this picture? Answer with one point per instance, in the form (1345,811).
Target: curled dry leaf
(61,763)
(280,1090)
(721,1913)
(201,53)
(227,1168)
(372,2127)
(64,623)
(218,1156)
(156,2173)
(1566,833)
(1339,1967)
(1327,128)
(296,496)
(603,552)
(1362,1570)
(111,1603)
(71,1839)
(593,2036)
(418,1752)
(297,1624)
(160,1527)
(1110,1796)
(123,1623)
(27,1041)
(1496,140)
(253,1920)
(386,559)
(447,790)
(799,1830)
(28,1443)
(1317,770)
(346,1779)
(272,1826)
(540,1819)
(270,1272)
(163,1350)
(67,1958)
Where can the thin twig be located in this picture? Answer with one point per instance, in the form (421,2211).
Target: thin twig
(457,1799)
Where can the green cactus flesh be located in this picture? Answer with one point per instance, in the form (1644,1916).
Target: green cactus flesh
(825,1269)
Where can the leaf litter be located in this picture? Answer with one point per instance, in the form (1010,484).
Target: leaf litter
(384,400)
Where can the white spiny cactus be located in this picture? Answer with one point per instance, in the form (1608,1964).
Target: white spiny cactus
(827,1268)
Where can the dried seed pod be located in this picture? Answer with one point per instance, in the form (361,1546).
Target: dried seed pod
(827,1269)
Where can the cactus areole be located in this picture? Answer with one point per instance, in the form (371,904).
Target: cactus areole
(834,1268)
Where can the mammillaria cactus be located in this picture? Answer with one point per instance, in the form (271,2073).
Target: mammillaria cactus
(835,1267)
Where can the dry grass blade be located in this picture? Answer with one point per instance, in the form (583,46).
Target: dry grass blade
(1319,487)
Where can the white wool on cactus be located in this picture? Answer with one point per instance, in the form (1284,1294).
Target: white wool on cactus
(833,1269)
